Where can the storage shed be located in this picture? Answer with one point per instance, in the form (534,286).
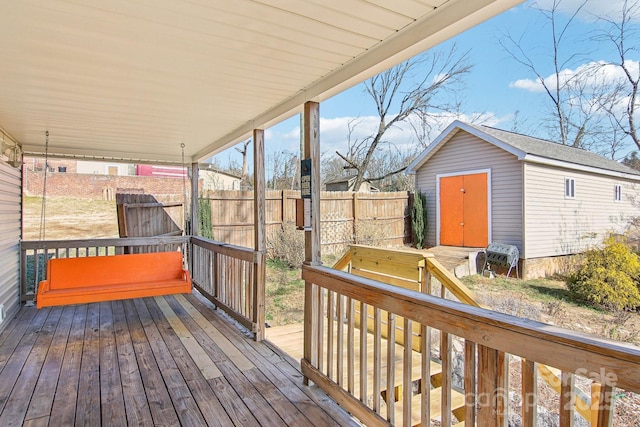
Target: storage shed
(550,200)
(347,183)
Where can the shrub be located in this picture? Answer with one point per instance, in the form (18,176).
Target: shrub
(419,219)
(205,227)
(287,245)
(609,277)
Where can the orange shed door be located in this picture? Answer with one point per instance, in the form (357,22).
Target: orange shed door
(451,211)
(463,210)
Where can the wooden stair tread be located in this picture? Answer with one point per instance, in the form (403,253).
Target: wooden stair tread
(435,405)
(289,338)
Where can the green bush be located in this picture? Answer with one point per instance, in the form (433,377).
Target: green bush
(287,245)
(419,219)
(609,277)
(205,227)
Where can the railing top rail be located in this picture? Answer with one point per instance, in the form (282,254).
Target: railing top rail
(607,361)
(117,242)
(240,252)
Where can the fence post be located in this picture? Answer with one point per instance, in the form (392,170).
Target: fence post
(283,206)
(355,207)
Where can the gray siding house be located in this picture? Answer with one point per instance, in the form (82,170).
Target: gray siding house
(10,235)
(487,185)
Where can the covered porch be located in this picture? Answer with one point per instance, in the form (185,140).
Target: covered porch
(131,82)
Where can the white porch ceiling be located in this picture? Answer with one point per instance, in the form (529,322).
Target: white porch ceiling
(132,79)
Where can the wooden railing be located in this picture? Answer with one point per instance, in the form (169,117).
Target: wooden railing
(381,381)
(34,254)
(549,375)
(232,277)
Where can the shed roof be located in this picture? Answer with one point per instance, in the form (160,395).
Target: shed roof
(529,149)
(341,179)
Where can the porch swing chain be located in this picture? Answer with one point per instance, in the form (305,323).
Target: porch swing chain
(44,188)
(42,233)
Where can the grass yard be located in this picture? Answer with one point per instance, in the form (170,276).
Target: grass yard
(285,294)
(70,218)
(549,301)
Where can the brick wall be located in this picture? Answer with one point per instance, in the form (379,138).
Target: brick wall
(100,186)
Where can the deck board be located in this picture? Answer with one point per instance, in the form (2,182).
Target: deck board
(208,404)
(63,412)
(284,372)
(136,405)
(170,360)
(42,399)
(88,402)
(111,395)
(157,394)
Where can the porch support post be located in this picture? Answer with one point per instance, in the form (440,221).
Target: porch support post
(312,295)
(260,234)
(195,172)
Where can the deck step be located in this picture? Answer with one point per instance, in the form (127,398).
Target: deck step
(435,405)
(435,370)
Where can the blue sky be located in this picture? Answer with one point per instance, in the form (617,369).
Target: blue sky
(496,88)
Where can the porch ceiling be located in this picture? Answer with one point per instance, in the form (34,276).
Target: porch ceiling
(132,80)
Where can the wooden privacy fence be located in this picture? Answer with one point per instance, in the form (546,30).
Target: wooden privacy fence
(380,219)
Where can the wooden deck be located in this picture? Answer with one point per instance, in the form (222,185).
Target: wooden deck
(155,361)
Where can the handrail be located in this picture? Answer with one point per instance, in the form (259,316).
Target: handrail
(451,282)
(549,344)
(108,242)
(232,278)
(609,362)
(462,293)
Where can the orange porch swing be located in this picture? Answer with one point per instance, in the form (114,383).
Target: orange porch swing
(108,278)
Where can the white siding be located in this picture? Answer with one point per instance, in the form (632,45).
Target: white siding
(559,226)
(465,152)
(10,234)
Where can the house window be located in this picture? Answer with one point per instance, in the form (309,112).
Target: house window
(569,188)
(617,193)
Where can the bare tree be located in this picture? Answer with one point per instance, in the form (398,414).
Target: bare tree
(284,166)
(244,151)
(623,103)
(560,88)
(593,102)
(418,85)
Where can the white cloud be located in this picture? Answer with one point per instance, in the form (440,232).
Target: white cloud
(590,75)
(527,84)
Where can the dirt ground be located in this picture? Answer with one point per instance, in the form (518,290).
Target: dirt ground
(70,218)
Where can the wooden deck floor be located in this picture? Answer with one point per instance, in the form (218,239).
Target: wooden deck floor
(154,361)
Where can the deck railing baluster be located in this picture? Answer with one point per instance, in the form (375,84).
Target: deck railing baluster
(488,338)
(340,348)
